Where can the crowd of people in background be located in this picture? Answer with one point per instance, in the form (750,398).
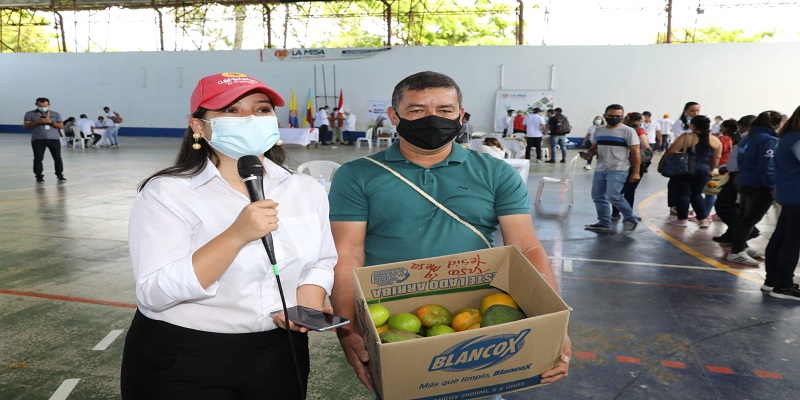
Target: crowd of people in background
(105,126)
(741,169)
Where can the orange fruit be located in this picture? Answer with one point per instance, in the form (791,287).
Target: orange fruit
(474,326)
(433,314)
(466,318)
(497,298)
(404,322)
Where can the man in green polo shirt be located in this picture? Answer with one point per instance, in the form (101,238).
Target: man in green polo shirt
(378,218)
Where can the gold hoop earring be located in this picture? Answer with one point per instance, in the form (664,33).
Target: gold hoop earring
(196,136)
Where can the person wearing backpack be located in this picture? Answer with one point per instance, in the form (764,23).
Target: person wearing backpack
(114,119)
(559,128)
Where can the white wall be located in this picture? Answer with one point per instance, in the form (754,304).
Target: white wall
(152,89)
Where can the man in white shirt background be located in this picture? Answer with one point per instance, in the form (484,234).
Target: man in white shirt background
(321,123)
(88,127)
(653,129)
(113,120)
(349,130)
(666,131)
(534,131)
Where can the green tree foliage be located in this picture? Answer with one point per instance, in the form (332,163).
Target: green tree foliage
(716,34)
(413,22)
(23,32)
(455,23)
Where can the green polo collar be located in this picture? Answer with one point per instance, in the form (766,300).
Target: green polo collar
(458,154)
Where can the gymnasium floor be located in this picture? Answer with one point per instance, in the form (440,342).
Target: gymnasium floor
(657,313)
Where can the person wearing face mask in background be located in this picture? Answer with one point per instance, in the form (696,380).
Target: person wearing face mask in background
(205,288)
(44,124)
(618,161)
(589,138)
(480,189)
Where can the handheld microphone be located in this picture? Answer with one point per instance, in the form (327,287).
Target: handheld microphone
(252,172)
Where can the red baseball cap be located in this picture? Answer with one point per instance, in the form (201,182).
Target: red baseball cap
(216,91)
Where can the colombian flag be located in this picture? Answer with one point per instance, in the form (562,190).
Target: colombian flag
(293,122)
(309,111)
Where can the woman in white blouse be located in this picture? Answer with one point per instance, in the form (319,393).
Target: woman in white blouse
(205,287)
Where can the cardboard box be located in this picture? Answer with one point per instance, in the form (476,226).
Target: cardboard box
(469,364)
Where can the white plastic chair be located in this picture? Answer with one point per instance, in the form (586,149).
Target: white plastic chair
(478,135)
(388,139)
(63,138)
(546,147)
(322,170)
(367,138)
(566,180)
(79,138)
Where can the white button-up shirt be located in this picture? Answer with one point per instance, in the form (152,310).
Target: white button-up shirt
(172,217)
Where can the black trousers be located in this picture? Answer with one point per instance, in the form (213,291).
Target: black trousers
(754,202)
(533,142)
(54,145)
(783,249)
(726,206)
(323,134)
(165,361)
(688,190)
(629,193)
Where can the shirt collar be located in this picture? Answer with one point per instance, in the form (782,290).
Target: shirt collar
(458,154)
(275,174)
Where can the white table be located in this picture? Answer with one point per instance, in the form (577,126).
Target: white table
(522,166)
(301,136)
(516,146)
(104,140)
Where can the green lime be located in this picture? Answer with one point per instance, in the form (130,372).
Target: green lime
(405,322)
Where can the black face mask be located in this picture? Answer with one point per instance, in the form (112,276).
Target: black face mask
(613,121)
(429,133)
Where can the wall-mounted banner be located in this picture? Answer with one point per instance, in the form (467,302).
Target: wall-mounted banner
(270,55)
(376,113)
(524,100)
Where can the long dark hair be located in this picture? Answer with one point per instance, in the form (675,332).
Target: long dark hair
(702,125)
(684,119)
(190,162)
(768,119)
(732,128)
(792,124)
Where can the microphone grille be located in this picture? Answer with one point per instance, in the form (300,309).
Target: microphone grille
(249,166)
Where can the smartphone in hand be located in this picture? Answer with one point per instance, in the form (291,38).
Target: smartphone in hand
(314,320)
(584,155)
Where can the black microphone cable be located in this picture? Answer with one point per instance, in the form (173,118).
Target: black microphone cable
(251,170)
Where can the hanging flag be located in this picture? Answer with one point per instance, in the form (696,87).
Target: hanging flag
(293,122)
(341,100)
(309,111)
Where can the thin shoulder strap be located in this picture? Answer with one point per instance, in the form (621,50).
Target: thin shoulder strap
(431,199)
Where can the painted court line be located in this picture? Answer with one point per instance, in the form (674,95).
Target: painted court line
(110,338)
(567,264)
(65,389)
(718,369)
(66,298)
(696,254)
(637,263)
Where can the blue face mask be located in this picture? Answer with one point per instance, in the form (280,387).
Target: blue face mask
(43,109)
(236,137)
